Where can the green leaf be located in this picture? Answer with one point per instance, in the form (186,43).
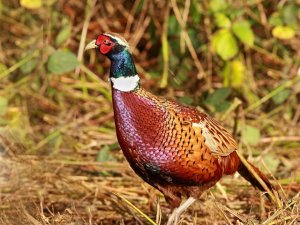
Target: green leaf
(217,99)
(63,35)
(222,20)
(183,70)
(55,142)
(272,162)
(3,105)
(139,7)
(196,11)
(275,19)
(233,73)
(186,100)
(234,13)
(62,62)
(243,31)
(152,30)
(194,35)
(31,4)
(224,43)
(114,146)
(104,155)
(283,32)
(17,122)
(217,5)
(249,94)
(173,26)
(250,135)
(218,96)
(289,14)
(28,66)
(3,67)
(222,106)
(281,96)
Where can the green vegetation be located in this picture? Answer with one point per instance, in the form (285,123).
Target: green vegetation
(59,159)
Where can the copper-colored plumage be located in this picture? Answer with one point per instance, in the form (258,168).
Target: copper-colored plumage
(164,145)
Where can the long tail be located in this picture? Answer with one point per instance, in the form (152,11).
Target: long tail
(243,170)
(236,162)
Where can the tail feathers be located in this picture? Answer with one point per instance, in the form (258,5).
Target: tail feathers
(249,177)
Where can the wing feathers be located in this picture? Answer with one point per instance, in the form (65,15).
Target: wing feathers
(217,139)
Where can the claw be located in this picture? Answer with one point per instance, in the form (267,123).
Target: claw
(174,218)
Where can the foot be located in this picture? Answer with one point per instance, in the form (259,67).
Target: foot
(174,218)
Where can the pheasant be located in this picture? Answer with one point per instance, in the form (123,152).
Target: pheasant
(175,148)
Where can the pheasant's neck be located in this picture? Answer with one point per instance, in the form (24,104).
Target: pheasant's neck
(123,73)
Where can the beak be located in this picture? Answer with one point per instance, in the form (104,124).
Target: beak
(91,45)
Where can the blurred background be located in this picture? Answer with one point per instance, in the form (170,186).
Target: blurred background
(60,162)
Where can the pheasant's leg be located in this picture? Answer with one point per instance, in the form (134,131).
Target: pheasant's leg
(173,219)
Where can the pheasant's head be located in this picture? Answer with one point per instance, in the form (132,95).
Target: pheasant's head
(109,44)
(123,73)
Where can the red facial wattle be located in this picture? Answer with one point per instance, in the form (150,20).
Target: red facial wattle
(105,44)
(104,49)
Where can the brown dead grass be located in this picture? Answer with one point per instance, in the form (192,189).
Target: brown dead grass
(49,190)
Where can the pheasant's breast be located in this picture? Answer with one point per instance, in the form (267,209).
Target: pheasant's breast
(163,141)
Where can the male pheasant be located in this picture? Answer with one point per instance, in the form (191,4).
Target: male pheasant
(175,148)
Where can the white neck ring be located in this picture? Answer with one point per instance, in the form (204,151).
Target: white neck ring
(125,84)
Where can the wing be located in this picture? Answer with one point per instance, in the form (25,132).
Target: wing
(219,141)
(216,137)
(196,147)
(188,146)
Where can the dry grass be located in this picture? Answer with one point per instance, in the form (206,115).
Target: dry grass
(51,190)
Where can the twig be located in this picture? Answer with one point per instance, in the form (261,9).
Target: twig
(261,182)
(187,38)
(279,139)
(284,195)
(135,208)
(281,87)
(233,106)
(220,210)
(271,55)
(184,18)
(240,217)
(89,13)
(165,50)
(130,19)
(139,33)
(278,213)
(60,130)
(17,65)
(31,218)
(222,190)
(208,30)
(262,13)
(141,26)
(158,212)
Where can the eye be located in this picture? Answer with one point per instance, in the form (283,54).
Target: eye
(106,42)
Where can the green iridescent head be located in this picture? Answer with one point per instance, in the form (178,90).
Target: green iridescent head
(117,50)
